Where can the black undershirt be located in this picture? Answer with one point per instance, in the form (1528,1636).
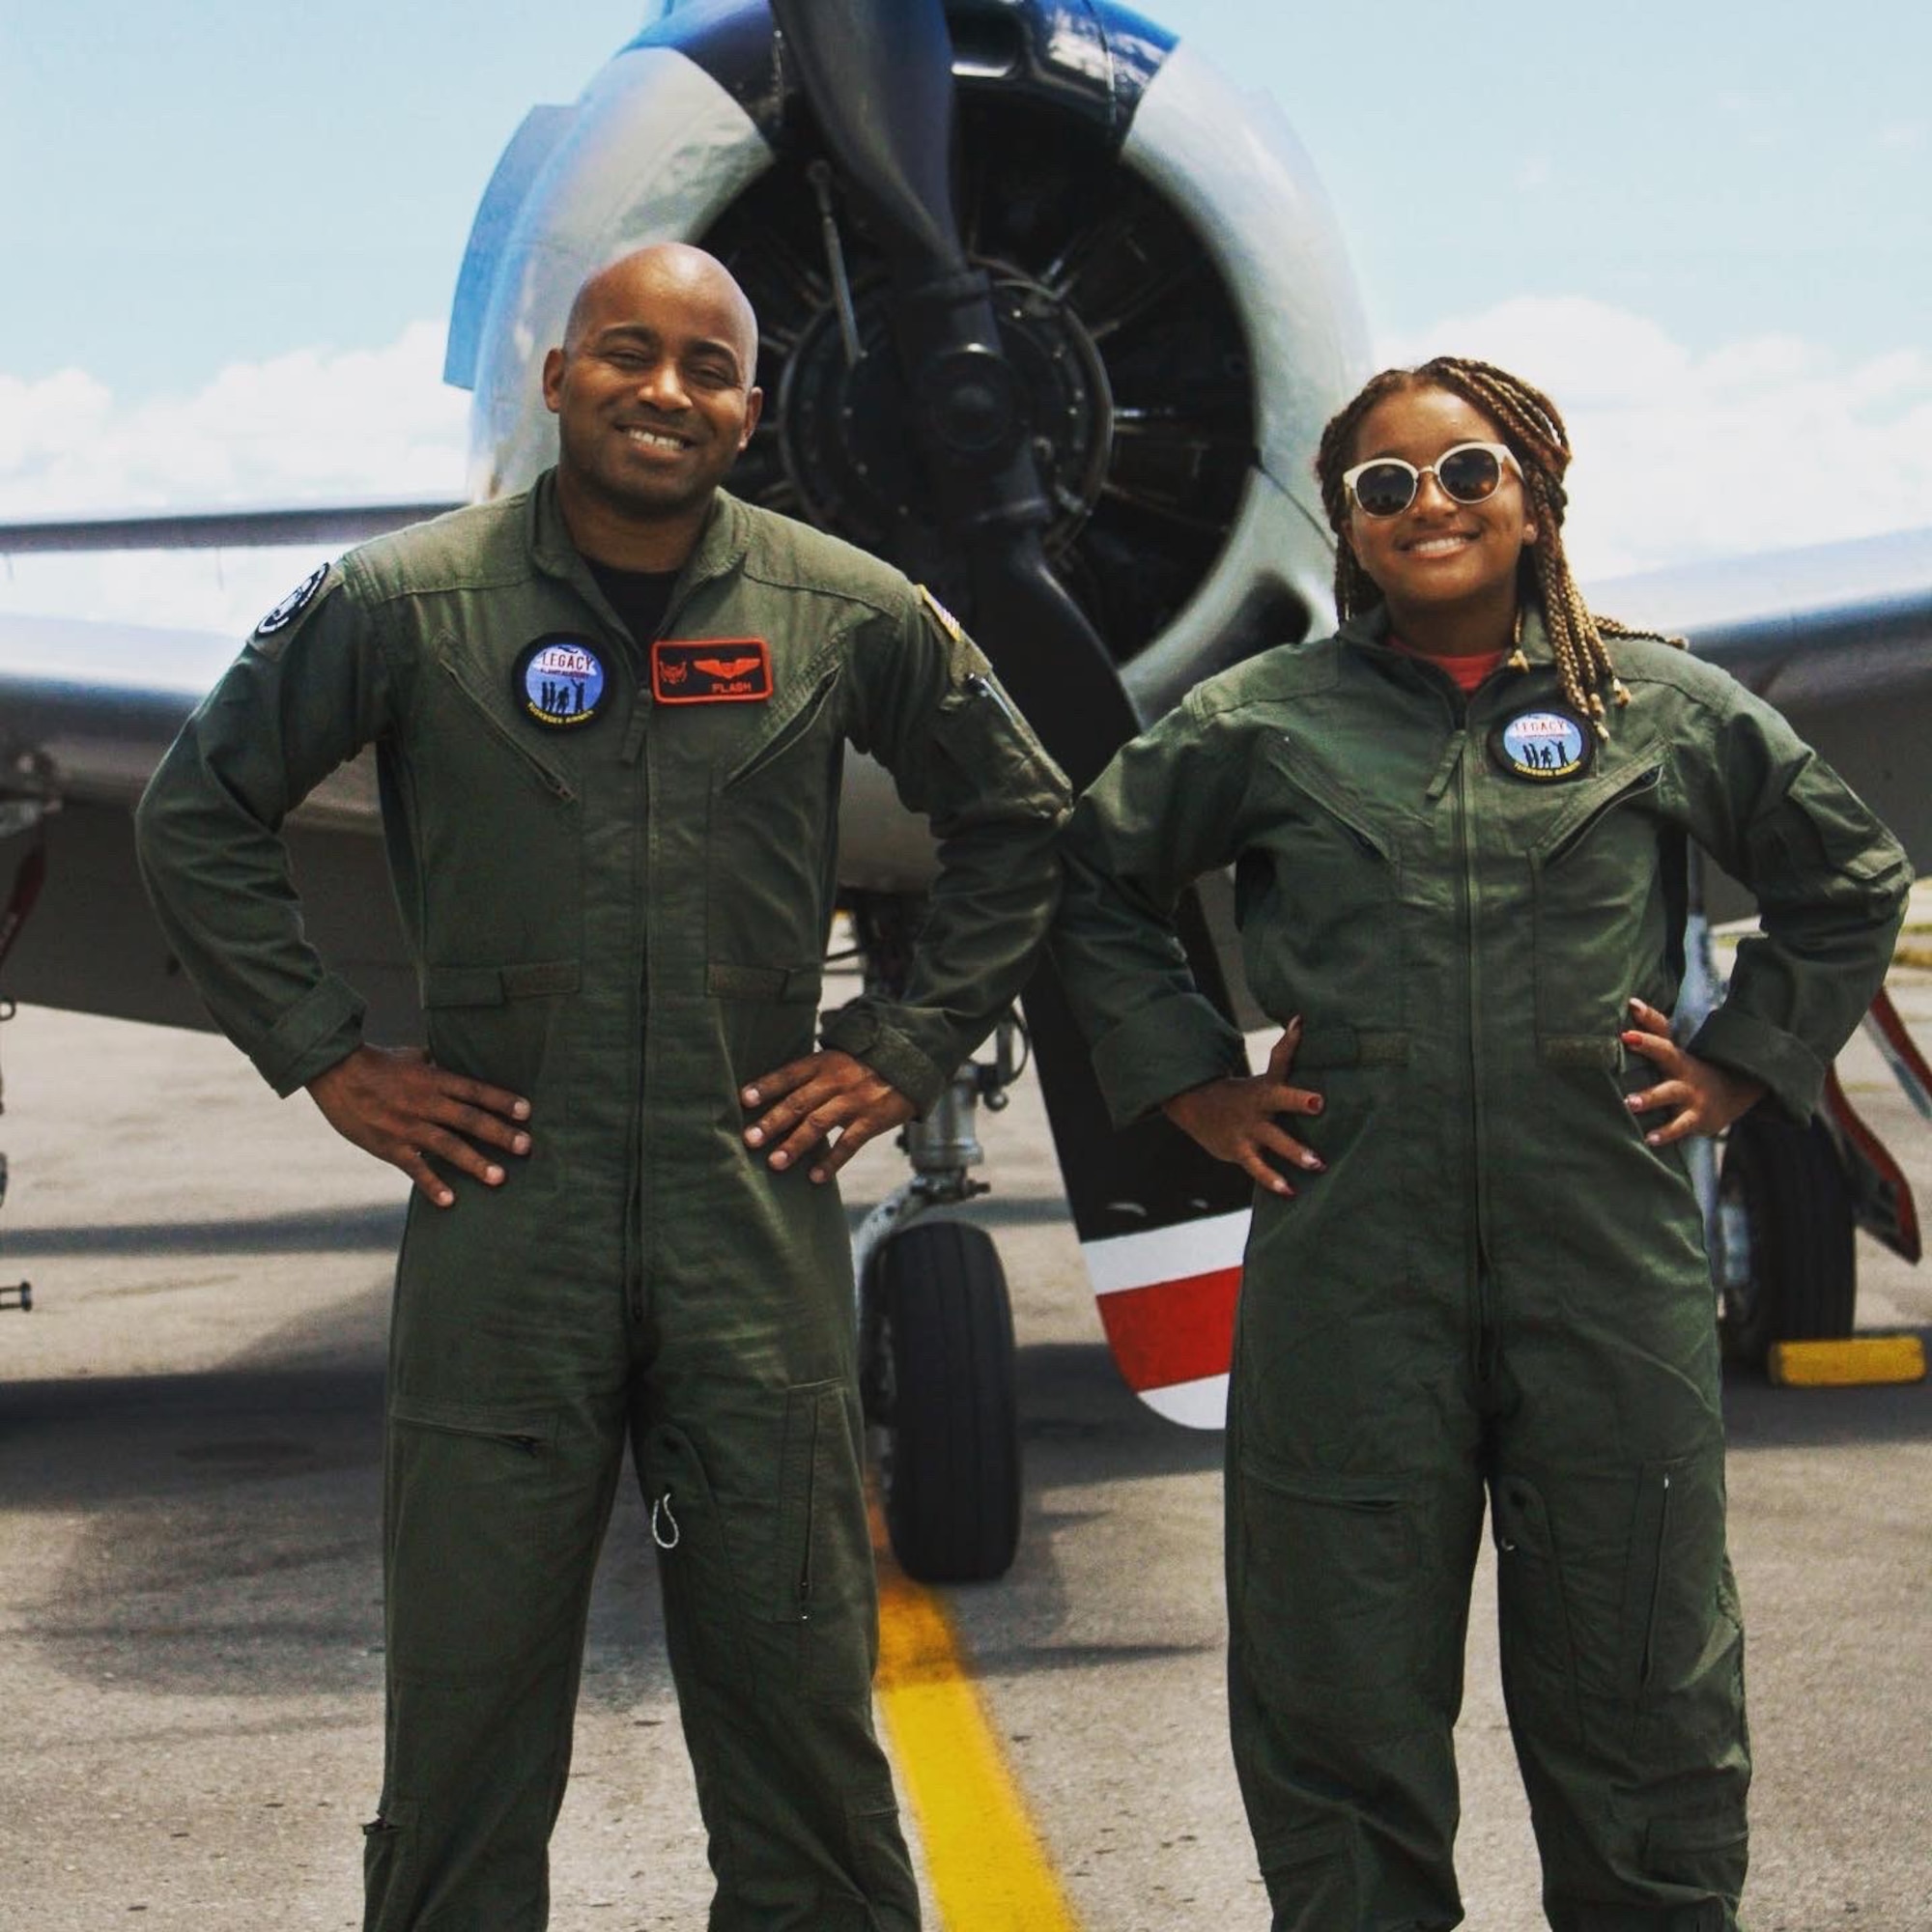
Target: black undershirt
(640,597)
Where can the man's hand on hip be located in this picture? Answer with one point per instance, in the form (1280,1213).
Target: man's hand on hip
(823,1095)
(394,1103)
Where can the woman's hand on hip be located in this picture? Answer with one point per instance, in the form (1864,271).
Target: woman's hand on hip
(1237,1120)
(1708,1098)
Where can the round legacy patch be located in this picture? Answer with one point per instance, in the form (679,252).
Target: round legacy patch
(559,682)
(294,604)
(1543,746)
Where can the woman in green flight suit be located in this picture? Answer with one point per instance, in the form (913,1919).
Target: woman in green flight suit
(1476,1268)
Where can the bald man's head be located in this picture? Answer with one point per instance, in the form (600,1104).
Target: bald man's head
(654,393)
(665,266)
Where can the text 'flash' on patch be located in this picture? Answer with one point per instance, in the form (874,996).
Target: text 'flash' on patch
(711,670)
(559,683)
(1543,746)
(294,604)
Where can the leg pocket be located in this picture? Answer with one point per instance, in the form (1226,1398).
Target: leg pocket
(389,1866)
(702,1619)
(768,1572)
(823,1581)
(476,1501)
(1328,1604)
(1674,1579)
(1310,1877)
(1539,1654)
(1706,1854)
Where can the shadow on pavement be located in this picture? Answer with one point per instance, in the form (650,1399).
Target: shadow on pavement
(374,1229)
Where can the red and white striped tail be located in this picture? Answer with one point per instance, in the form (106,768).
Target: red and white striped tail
(1167,1302)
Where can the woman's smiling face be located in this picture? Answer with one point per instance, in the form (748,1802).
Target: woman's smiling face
(1438,553)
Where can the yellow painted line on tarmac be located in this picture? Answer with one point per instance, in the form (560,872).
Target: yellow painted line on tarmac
(989,1871)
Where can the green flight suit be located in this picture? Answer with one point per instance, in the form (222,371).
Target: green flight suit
(1496,1283)
(622,916)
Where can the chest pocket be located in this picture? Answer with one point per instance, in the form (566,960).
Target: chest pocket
(1316,893)
(1597,879)
(771,846)
(497,813)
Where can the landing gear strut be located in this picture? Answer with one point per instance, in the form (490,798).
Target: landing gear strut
(937,1370)
(19,815)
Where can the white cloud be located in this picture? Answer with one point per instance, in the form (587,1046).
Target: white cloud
(308,427)
(1766,442)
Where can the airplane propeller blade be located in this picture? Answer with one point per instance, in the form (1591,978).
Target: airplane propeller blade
(878,77)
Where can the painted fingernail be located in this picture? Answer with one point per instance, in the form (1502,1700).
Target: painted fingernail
(1315,1105)
(755,1136)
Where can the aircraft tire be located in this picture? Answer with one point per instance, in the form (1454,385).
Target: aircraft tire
(1789,1185)
(951,1444)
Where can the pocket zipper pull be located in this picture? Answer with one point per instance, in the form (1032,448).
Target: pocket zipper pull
(662,1509)
(984,687)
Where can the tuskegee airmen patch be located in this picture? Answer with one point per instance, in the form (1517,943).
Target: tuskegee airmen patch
(294,604)
(1546,746)
(713,670)
(559,682)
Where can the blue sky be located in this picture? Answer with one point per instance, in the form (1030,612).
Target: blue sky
(1708,227)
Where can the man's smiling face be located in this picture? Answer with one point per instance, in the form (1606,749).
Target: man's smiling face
(652,388)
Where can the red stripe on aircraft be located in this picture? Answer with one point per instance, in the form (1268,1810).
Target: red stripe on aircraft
(1172,1331)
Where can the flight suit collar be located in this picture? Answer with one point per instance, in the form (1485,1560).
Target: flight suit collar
(1371,628)
(720,547)
(1368,633)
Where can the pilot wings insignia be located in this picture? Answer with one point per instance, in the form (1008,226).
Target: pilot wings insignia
(726,668)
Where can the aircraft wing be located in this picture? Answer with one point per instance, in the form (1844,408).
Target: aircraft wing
(1838,637)
(86,711)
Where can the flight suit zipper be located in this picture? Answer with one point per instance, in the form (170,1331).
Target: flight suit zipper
(635,751)
(1480,1297)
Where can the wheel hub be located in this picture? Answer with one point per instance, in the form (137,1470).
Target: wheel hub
(843,437)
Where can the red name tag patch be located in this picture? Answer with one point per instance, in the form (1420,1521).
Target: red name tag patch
(715,671)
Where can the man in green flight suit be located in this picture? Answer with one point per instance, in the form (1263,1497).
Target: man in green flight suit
(611,715)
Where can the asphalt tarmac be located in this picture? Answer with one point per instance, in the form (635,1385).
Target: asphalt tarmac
(190,1632)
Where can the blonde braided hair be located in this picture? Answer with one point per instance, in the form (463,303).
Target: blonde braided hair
(1533,430)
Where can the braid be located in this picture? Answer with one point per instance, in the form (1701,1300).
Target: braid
(1534,432)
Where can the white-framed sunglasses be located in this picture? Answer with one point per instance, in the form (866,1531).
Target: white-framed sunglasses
(1385,486)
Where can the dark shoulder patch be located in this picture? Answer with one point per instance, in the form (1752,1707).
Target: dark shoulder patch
(280,624)
(294,604)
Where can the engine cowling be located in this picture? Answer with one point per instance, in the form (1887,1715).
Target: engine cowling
(1172,291)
